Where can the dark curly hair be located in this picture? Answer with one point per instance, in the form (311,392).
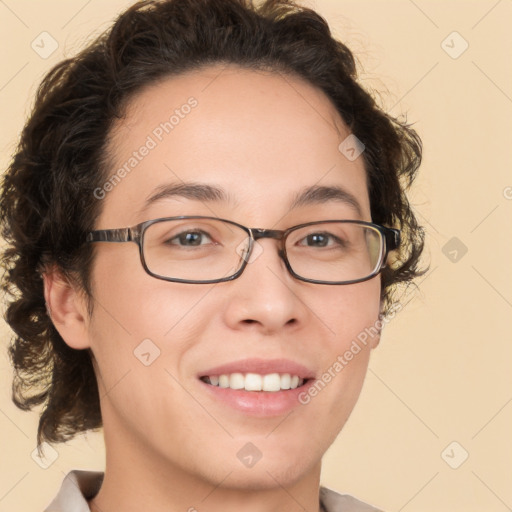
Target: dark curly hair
(47,195)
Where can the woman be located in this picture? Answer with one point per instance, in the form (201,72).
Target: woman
(206,218)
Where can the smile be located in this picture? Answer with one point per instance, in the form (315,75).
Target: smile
(271,382)
(257,386)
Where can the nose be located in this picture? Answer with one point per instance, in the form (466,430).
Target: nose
(265,298)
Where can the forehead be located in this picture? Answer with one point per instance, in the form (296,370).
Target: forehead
(260,136)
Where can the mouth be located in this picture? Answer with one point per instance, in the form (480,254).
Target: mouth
(270,382)
(257,387)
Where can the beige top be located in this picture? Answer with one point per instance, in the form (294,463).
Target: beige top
(80,486)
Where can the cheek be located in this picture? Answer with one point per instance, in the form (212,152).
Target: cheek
(136,304)
(352,317)
(351,312)
(138,319)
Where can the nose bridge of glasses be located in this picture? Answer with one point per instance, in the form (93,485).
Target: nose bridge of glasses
(276,234)
(258,233)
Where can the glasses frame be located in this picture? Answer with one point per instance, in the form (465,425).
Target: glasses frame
(390,241)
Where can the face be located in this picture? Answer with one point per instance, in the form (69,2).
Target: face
(262,139)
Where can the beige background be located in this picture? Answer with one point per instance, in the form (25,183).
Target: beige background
(443,370)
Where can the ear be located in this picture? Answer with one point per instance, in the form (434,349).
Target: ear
(67,308)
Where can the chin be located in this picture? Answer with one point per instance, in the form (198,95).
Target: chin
(270,468)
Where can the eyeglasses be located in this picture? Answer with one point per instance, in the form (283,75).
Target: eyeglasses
(198,249)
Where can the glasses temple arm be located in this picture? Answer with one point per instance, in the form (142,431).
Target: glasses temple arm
(392,239)
(113,235)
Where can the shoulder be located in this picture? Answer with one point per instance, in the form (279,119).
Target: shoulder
(76,489)
(334,502)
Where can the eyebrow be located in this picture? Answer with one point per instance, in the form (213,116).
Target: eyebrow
(195,191)
(209,193)
(323,194)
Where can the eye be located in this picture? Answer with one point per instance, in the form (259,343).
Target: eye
(190,239)
(320,239)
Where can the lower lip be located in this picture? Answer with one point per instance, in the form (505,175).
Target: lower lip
(258,403)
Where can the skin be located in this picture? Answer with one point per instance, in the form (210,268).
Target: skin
(263,137)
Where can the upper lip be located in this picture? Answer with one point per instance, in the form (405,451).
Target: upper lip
(262,367)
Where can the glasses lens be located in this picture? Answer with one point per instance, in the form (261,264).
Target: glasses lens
(194,249)
(335,251)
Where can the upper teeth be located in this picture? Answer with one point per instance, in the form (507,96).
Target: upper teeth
(256,382)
